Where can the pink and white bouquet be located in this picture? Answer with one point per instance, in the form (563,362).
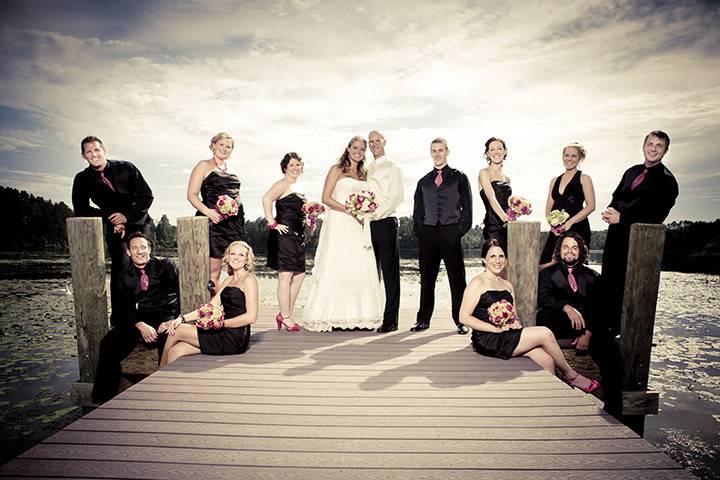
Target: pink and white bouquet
(501,313)
(557,219)
(212,317)
(312,211)
(358,204)
(517,206)
(226,206)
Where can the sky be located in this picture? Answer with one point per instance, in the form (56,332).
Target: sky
(155,80)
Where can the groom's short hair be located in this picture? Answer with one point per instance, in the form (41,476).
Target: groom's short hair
(440,140)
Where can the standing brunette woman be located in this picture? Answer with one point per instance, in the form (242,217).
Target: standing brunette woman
(211,179)
(495,191)
(536,343)
(238,295)
(573,192)
(286,242)
(345,290)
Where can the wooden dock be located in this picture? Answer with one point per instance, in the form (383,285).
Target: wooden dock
(348,405)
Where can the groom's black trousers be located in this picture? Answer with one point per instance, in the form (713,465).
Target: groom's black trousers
(440,242)
(386,246)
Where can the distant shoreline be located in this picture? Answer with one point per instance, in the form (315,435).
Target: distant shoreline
(55,263)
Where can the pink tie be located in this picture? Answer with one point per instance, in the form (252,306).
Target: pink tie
(144,281)
(438,179)
(638,180)
(106,181)
(571,280)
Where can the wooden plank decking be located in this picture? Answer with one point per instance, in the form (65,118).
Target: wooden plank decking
(349,405)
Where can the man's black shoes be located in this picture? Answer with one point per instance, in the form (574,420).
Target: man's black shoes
(420,326)
(387,328)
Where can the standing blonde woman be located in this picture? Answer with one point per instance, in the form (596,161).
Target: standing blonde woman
(573,192)
(211,179)
(238,295)
(286,242)
(495,191)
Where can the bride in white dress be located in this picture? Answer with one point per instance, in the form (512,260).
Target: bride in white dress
(345,290)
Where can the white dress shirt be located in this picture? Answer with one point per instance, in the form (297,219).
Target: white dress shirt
(386,181)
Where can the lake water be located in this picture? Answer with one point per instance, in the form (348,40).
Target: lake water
(38,356)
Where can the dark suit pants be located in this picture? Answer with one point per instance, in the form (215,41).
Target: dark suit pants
(605,351)
(441,242)
(387,256)
(558,322)
(115,346)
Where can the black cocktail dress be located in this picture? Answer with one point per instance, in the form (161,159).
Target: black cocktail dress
(499,345)
(572,200)
(227,341)
(232,228)
(493,226)
(286,252)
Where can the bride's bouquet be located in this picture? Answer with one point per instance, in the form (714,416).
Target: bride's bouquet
(501,313)
(557,219)
(517,206)
(312,211)
(226,206)
(212,317)
(360,204)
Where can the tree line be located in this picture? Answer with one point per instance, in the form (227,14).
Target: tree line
(35,224)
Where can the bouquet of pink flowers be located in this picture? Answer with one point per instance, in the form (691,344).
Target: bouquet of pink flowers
(517,206)
(312,211)
(358,204)
(501,313)
(212,317)
(226,206)
(557,219)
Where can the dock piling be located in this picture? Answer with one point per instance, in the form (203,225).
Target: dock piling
(193,243)
(87,263)
(523,258)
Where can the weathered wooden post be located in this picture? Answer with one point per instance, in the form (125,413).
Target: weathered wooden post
(87,262)
(642,281)
(193,239)
(523,258)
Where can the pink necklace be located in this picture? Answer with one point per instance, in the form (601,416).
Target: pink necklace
(222,167)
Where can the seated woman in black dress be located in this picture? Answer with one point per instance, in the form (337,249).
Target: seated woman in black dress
(286,241)
(238,295)
(495,191)
(536,343)
(573,192)
(211,179)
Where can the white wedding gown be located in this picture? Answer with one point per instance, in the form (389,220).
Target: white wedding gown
(345,290)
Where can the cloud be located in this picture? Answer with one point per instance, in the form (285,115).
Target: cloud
(308,75)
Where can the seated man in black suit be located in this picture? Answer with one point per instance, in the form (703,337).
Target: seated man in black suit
(567,292)
(148,295)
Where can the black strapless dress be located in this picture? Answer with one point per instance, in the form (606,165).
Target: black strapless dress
(232,228)
(493,226)
(572,200)
(499,345)
(227,341)
(286,252)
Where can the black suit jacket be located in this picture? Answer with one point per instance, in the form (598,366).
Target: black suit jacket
(649,202)
(132,196)
(554,291)
(159,301)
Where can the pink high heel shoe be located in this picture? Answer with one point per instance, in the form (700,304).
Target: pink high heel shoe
(280,321)
(594,384)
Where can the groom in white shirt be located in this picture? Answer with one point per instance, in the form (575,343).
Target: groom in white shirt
(385,180)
